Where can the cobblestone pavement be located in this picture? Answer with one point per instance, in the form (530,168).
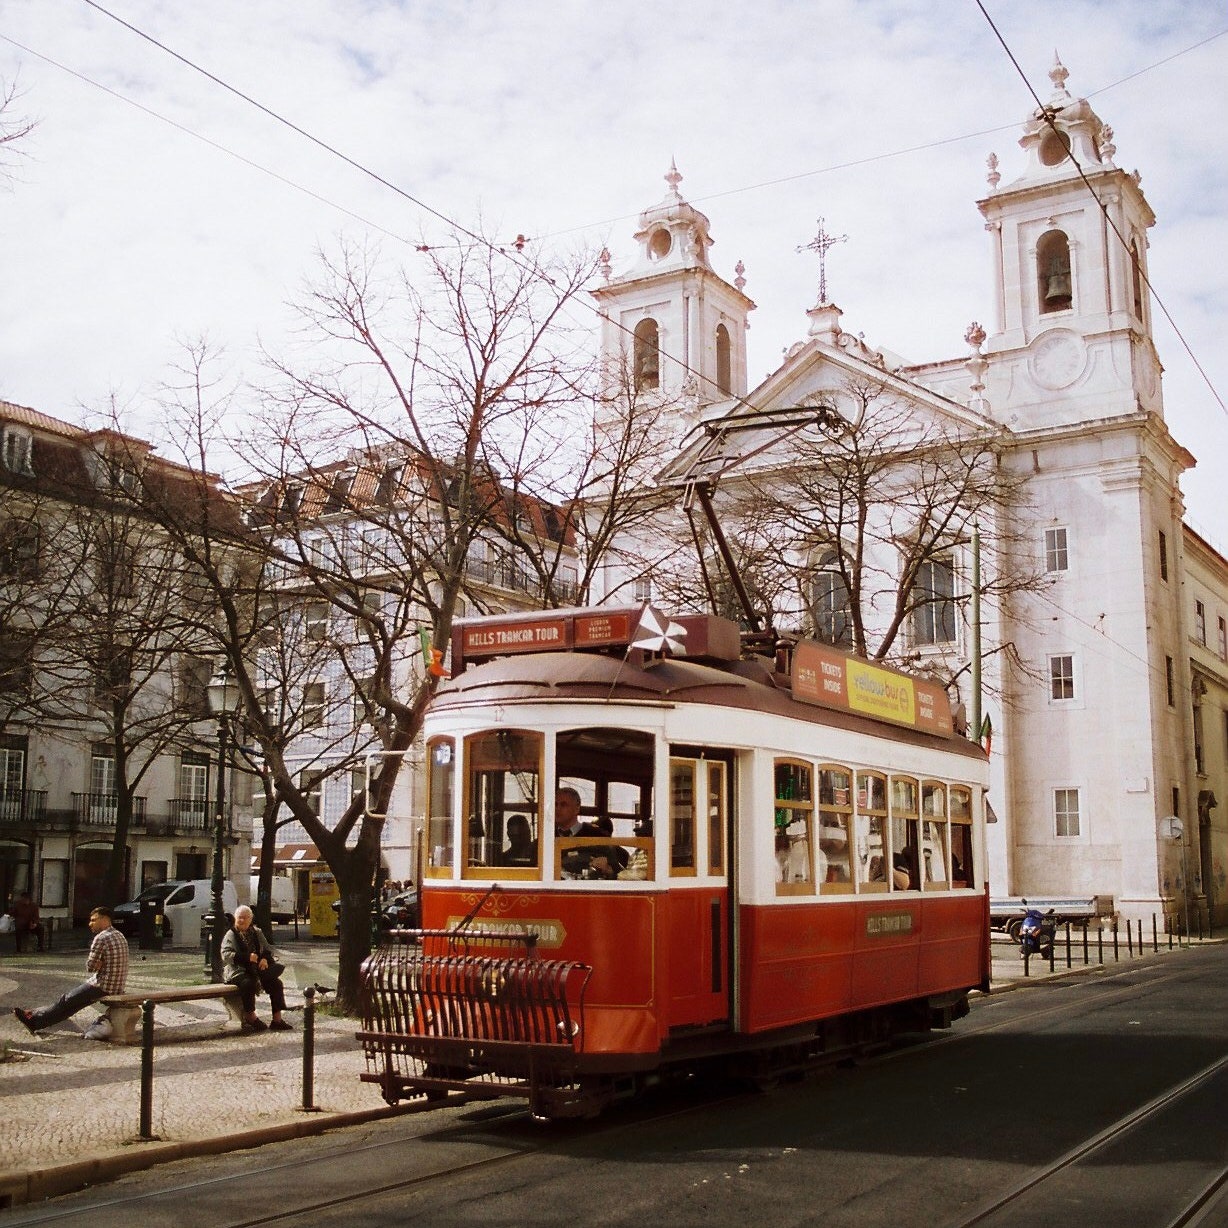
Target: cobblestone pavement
(214,1089)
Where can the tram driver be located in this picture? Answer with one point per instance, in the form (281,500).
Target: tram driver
(598,862)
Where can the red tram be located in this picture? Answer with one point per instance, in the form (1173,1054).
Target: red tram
(775,861)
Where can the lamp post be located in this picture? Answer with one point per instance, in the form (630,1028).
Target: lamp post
(1176,831)
(223,696)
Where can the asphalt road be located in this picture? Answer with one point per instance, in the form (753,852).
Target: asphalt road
(1095,1100)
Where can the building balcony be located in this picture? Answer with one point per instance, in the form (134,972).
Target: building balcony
(23,806)
(99,809)
(185,816)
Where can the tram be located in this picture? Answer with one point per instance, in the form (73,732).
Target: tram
(776,860)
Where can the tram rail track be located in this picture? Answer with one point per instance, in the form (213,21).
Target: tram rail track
(1006,1207)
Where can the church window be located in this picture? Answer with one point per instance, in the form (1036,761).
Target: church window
(647,355)
(933,617)
(1200,623)
(830,595)
(1136,278)
(1066,812)
(1163,555)
(1053,272)
(1061,677)
(723,378)
(1057,554)
(1170,682)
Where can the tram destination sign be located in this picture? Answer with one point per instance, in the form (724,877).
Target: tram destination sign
(497,637)
(832,679)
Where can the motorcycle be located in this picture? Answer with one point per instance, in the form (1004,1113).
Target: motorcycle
(1037,932)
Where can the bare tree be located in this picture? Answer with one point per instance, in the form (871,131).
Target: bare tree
(129,661)
(14,130)
(857,533)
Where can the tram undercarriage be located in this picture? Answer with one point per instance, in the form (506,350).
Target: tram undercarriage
(440,1016)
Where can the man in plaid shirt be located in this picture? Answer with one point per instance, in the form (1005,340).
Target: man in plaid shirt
(107,964)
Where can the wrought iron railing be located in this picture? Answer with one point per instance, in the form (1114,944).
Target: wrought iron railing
(100,809)
(187,814)
(23,805)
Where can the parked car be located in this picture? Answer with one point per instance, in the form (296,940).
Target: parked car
(398,913)
(184,904)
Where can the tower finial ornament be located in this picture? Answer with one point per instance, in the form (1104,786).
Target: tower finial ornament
(1058,74)
(822,243)
(673,178)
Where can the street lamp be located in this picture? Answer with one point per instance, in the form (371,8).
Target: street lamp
(223,694)
(1175,830)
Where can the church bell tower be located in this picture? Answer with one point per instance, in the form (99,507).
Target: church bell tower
(1073,338)
(671,327)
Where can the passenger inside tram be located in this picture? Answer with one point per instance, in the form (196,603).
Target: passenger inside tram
(521,847)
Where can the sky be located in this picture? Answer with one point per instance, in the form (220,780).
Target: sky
(153,206)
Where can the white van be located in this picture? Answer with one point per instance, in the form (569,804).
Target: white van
(281,901)
(187,905)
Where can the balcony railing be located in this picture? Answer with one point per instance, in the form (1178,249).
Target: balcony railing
(23,805)
(184,815)
(99,809)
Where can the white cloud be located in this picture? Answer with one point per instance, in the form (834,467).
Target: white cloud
(559,118)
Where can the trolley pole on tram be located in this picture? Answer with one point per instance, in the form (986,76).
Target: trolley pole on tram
(976,630)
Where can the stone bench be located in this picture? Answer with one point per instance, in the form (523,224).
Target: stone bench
(124,1010)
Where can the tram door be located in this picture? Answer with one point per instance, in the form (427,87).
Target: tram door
(697,924)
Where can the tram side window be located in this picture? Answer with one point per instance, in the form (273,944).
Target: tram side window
(441,756)
(682,801)
(934,836)
(835,825)
(793,811)
(871,827)
(905,869)
(502,802)
(716,818)
(963,872)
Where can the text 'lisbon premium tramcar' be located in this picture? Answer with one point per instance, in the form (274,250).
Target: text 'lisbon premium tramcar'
(644,851)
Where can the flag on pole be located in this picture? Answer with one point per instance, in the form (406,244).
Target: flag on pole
(657,633)
(432,657)
(987,734)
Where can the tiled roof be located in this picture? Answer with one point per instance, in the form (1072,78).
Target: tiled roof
(25,416)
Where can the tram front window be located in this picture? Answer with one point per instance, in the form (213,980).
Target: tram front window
(608,833)
(503,802)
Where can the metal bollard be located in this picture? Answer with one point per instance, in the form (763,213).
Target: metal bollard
(1155,936)
(1026,959)
(309,1050)
(1116,943)
(147,1056)
(1067,944)
(1129,937)
(1085,944)
(1100,944)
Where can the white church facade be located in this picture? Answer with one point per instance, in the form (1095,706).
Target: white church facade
(1088,670)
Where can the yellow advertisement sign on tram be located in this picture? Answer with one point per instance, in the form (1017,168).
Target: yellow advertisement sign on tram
(878,693)
(822,675)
